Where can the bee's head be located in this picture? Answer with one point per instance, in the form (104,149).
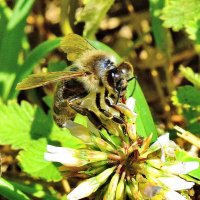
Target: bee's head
(118,77)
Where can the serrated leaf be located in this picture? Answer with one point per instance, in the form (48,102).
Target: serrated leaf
(27,127)
(188,95)
(92,14)
(32,162)
(179,14)
(189,74)
(10,192)
(21,124)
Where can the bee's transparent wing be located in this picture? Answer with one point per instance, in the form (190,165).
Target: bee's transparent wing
(74,46)
(37,80)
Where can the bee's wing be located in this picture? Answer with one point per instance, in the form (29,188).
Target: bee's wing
(37,80)
(75,45)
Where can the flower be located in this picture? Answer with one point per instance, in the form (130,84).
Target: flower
(113,167)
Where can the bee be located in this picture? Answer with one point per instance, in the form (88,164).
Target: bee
(91,86)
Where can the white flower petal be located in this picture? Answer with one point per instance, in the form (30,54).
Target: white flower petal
(176,183)
(130,103)
(163,139)
(68,160)
(182,167)
(54,149)
(65,156)
(172,195)
(160,142)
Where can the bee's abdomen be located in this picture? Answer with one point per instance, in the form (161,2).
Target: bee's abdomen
(67,91)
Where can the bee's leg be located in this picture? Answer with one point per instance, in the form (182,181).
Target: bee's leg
(116,119)
(90,114)
(62,112)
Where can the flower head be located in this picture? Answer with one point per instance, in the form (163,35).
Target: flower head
(112,168)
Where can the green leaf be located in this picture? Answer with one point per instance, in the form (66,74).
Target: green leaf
(27,127)
(187,99)
(48,100)
(36,190)
(10,192)
(188,95)
(32,162)
(192,120)
(5,16)
(92,14)
(144,121)
(32,59)
(189,74)
(11,45)
(184,157)
(179,14)
(22,124)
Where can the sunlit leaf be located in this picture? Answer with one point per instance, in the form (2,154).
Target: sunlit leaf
(21,124)
(27,127)
(179,14)
(32,162)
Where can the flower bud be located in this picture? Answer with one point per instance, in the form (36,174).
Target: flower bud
(110,193)
(89,186)
(120,192)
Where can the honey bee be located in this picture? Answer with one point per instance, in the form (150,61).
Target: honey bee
(91,86)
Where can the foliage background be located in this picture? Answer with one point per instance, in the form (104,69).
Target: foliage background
(156,36)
